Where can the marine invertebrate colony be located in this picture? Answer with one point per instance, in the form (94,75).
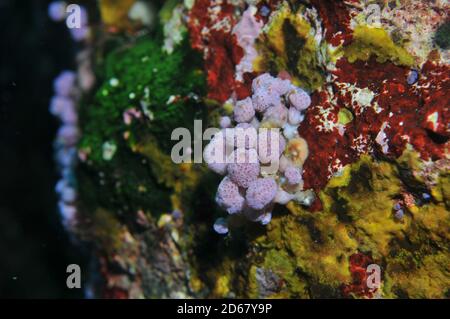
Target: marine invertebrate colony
(68,87)
(332,152)
(63,105)
(258,172)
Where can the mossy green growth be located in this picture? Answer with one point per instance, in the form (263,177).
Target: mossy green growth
(163,87)
(167,91)
(125,184)
(442,36)
(310,252)
(368,41)
(344,116)
(166,11)
(106,229)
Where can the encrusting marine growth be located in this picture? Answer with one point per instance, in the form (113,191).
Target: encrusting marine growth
(251,154)
(330,155)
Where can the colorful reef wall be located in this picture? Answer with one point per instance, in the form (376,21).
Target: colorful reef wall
(361,92)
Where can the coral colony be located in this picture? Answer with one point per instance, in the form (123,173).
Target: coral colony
(248,153)
(63,105)
(329,154)
(68,87)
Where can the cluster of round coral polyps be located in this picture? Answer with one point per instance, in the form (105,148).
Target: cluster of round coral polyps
(64,106)
(260,152)
(68,87)
(58,11)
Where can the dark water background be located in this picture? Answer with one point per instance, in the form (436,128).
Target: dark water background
(34,249)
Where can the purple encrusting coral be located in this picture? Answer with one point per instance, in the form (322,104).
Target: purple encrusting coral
(81,33)
(229,197)
(246,32)
(57,10)
(271,144)
(293,175)
(67,87)
(225,122)
(244,167)
(299,99)
(221,226)
(244,111)
(215,154)
(64,84)
(251,153)
(263,100)
(261,192)
(63,105)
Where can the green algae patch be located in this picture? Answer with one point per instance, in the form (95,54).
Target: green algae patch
(182,180)
(167,9)
(288,44)
(165,170)
(126,128)
(163,88)
(441,190)
(363,198)
(345,116)
(368,41)
(115,13)
(442,36)
(106,231)
(130,179)
(311,251)
(284,266)
(431,280)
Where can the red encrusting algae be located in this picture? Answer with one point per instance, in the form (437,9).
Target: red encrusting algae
(387,112)
(336,20)
(403,113)
(358,269)
(210,26)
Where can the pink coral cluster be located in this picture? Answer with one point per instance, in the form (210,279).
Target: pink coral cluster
(59,11)
(229,197)
(260,151)
(247,31)
(261,192)
(243,171)
(63,106)
(68,87)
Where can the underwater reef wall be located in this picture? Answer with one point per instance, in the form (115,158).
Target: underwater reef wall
(361,93)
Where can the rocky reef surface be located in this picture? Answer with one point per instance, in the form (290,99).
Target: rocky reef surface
(360,90)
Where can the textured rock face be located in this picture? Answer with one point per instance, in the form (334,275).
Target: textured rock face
(369,142)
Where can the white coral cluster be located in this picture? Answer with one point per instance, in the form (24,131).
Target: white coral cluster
(262,154)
